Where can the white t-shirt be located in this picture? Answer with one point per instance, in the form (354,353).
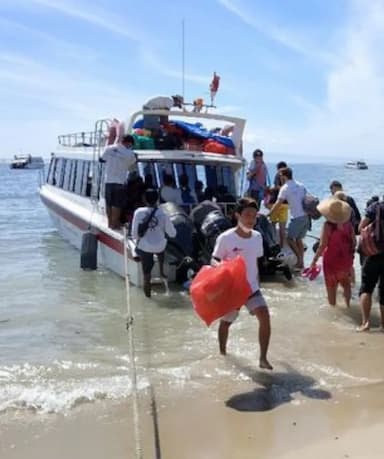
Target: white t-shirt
(169,194)
(294,193)
(159,103)
(154,240)
(229,244)
(118,161)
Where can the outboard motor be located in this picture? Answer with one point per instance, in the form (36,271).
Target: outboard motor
(180,249)
(272,260)
(212,226)
(265,228)
(199,212)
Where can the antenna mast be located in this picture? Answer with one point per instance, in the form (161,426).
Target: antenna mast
(183,58)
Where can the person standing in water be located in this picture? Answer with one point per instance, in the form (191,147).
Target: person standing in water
(337,247)
(243,240)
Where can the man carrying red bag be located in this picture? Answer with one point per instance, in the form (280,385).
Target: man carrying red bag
(244,241)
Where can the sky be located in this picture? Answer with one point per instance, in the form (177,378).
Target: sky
(307,75)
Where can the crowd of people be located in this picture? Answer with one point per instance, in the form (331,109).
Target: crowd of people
(337,245)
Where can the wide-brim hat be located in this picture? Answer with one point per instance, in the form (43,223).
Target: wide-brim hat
(335,210)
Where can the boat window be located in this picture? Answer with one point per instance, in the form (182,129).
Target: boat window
(85,187)
(79,176)
(67,174)
(96,182)
(149,169)
(72,180)
(189,170)
(165,169)
(51,170)
(58,173)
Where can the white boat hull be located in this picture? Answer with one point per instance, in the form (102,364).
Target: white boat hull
(73,219)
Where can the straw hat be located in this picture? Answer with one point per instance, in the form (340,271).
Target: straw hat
(335,210)
(340,195)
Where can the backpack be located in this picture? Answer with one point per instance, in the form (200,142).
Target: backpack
(372,236)
(310,204)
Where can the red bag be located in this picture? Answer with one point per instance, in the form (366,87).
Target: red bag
(215,291)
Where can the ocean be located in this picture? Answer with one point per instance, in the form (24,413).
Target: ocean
(63,338)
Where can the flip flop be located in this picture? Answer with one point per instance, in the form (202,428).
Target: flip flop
(311,273)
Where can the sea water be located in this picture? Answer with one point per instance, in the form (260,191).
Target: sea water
(63,338)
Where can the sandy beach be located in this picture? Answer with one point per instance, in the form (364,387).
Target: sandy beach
(219,425)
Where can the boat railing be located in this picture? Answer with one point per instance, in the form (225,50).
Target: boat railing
(83,139)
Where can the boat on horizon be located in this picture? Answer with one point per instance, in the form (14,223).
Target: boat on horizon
(73,191)
(27,162)
(356,165)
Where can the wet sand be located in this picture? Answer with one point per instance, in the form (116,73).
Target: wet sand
(248,423)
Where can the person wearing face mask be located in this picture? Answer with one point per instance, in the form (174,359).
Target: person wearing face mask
(244,241)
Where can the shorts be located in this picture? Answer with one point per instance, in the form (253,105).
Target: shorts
(115,195)
(281,216)
(255,301)
(372,273)
(148,261)
(298,227)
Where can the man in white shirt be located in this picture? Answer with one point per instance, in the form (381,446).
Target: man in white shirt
(152,122)
(248,243)
(293,192)
(119,160)
(150,225)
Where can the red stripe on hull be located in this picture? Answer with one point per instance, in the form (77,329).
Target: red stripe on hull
(83,225)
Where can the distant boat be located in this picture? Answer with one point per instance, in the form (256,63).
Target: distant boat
(27,162)
(356,165)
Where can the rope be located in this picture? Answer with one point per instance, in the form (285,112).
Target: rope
(130,322)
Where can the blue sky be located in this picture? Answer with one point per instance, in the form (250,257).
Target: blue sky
(307,75)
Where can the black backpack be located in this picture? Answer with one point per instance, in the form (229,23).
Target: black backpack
(310,203)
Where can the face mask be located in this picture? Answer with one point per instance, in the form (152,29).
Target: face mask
(244,228)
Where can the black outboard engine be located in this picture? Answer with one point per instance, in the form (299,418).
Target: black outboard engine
(270,263)
(180,249)
(199,212)
(212,226)
(265,228)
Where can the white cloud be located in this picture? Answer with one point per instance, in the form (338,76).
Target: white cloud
(278,33)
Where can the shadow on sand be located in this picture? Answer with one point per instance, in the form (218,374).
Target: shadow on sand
(277,388)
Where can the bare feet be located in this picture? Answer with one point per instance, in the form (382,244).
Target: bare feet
(363,327)
(265,365)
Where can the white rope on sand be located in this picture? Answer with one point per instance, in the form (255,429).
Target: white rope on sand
(130,320)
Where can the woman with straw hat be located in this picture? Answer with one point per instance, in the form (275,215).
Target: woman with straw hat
(337,247)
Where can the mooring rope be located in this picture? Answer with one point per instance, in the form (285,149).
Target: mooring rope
(130,323)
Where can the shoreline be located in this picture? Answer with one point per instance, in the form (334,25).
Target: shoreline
(217,425)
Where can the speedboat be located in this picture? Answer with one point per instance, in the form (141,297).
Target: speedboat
(73,190)
(27,162)
(356,165)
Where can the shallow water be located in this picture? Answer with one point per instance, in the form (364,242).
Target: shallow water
(63,338)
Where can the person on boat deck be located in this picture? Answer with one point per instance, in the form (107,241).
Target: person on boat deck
(168,192)
(244,241)
(153,122)
(336,186)
(157,225)
(372,272)
(257,174)
(293,192)
(337,247)
(188,196)
(119,159)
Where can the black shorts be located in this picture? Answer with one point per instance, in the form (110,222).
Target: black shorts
(115,195)
(372,272)
(147,260)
